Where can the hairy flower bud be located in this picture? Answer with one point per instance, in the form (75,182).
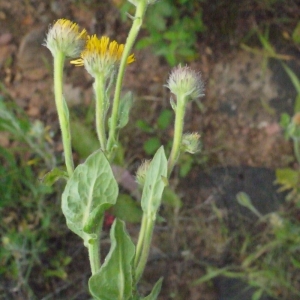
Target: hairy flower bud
(183,81)
(64,36)
(142,171)
(190,142)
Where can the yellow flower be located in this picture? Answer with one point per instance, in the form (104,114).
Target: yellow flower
(100,56)
(65,36)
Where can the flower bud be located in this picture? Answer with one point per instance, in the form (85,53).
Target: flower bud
(183,81)
(142,171)
(275,220)
(64,36)
(190,142)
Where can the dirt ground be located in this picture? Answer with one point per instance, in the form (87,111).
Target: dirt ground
(239,126)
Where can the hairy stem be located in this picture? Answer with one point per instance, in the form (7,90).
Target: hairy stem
(150,222)
(99,87)
(62,111)
(178,129)
(136,25)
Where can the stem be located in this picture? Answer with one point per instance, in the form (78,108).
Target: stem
(94,248)
(178,129)
(99,87)
(136,25)
(94,254)
(62,111)
(150,221)
(297,149)
(140,240)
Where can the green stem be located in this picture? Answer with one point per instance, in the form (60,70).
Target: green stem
(94,254)
(297,149)
(62,111)
(139,244)
(178,129)
(94,248)
(99,87)
(136,25)
(150,221)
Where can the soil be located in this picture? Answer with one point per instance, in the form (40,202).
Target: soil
(239,125)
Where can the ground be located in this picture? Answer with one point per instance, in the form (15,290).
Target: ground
(239,125)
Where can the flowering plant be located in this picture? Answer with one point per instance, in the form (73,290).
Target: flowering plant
(91,188)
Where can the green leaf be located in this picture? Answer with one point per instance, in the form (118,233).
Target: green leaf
(244,200)
(170,198)
(296,34)
(284,120)
(55,174)
(127,209)
(288,178)
(144,126)
(296,263)
(211,272)
(84,141)
(155,291)
(114,279)
(90,191)
(155,183)
(151,145)
(257,294)
(165,119)
(124,109)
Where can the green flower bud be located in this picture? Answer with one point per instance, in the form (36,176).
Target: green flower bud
(141,172)
(183,81)
(190,143)
(64,36)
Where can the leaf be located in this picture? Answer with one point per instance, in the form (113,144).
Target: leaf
(84,141)
(296,83)
(296,34)
(151,145)
(127,209)
(124,109)
(244,200)
(155,291)
(164,119)
(114,279)
(170,198)
(144,126)
(90,191)
(257,294)
(55,174)
(211,273)
(154,183)
(288,178)
(296,263)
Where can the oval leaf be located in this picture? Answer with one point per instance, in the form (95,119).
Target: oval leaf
(90,191)
(155,182)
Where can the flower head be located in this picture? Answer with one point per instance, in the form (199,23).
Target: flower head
(101,56)
(191,142)
(65,36)
(142,171)
(186,82)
